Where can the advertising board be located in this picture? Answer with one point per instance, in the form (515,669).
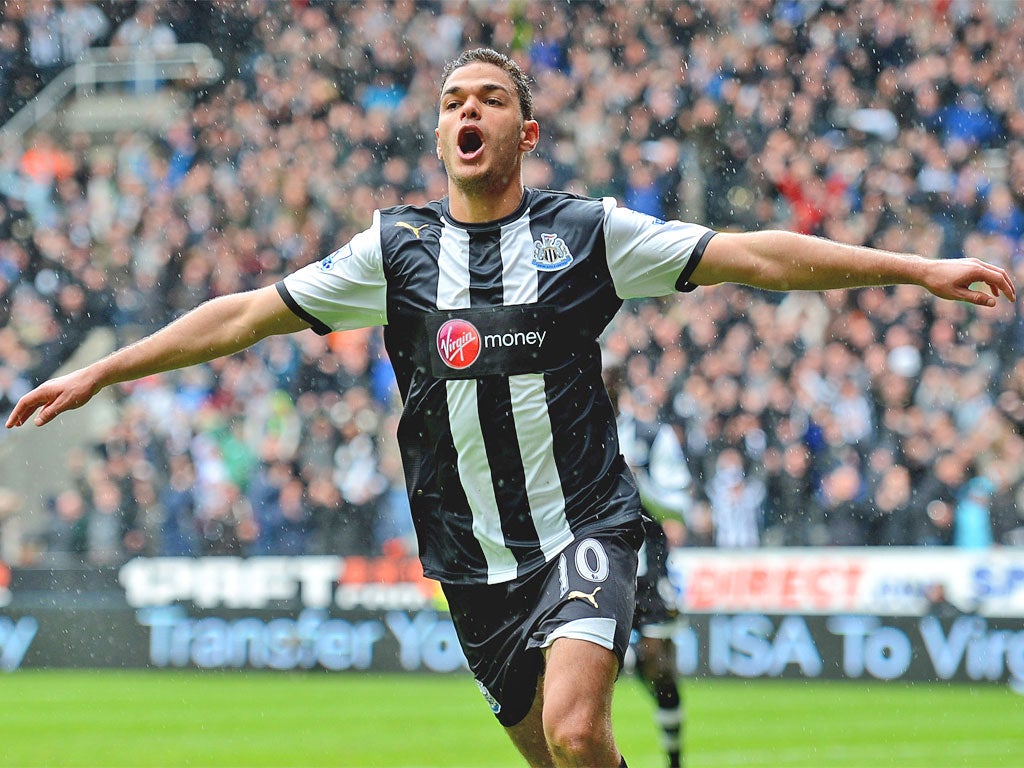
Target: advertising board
(886,581)
(828,614)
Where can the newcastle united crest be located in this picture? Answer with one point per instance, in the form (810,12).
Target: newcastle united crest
(550,253)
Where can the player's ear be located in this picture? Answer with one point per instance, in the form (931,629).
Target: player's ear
(529,135)
(437,143)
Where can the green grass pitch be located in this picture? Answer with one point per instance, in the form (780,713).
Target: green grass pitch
(139,719)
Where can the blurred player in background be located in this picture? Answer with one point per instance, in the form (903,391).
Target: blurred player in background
(654,453)
(655,620)
(494,300)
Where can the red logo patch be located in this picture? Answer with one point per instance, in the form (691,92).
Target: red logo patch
(458,343)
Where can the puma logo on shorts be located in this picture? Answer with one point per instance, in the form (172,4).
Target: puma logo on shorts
(584,596)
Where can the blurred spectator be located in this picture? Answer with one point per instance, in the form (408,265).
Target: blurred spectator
(144,36)
(737,503)
(972,528)
(43,22)
(66,540)
(843,497)
(283,521)
(104,523)
(890,523)
(968,120)
(144,31)
(44,166)
(1002,215)
(792,514)
(179,528)
(327,534)
(358,477)
(12,66)
(642,191)
(82,23)
(226,521)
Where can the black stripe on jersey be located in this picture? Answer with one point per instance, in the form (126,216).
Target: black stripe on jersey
(683,281)
(494,403)
(485,286)
(293,305)
(447,514)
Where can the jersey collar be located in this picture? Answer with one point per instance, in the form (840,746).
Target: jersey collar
(524,204)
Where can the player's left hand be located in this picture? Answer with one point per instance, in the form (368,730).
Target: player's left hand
(954,278)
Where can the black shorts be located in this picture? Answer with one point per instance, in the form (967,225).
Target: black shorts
(586,592)
(655,613)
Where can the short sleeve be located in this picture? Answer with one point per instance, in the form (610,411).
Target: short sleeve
(648,256)
(343,291)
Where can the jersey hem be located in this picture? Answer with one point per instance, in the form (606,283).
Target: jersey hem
(683,283)
(525,569)
(317,325)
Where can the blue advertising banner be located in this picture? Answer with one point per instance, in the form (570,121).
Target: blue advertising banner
(335,614)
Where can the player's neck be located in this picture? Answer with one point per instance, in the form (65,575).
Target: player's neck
(478,207)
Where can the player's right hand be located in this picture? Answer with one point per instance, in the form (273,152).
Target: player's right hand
(53,397)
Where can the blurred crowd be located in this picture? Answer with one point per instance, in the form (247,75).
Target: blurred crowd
(861,417)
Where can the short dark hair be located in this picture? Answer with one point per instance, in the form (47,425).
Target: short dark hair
(489,56)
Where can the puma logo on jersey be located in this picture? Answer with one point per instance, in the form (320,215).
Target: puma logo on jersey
(415,230)
(584,596)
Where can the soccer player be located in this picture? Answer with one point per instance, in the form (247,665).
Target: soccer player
(493,299)
(654,621)
(654,453)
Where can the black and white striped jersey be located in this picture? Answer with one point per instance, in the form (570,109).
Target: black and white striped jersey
(508,437)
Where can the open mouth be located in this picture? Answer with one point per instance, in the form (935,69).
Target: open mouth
(470,142)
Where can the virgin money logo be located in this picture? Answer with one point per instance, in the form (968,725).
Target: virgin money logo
(458,343)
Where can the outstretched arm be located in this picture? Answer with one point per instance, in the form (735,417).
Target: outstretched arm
(786,261)
(219,327)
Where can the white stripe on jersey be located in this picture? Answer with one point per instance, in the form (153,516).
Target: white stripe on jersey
(453,269)
(464,417)
(519,276)
(536,444)
(529,401)
(473,466)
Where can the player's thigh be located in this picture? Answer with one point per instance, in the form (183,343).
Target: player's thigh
(578,682)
